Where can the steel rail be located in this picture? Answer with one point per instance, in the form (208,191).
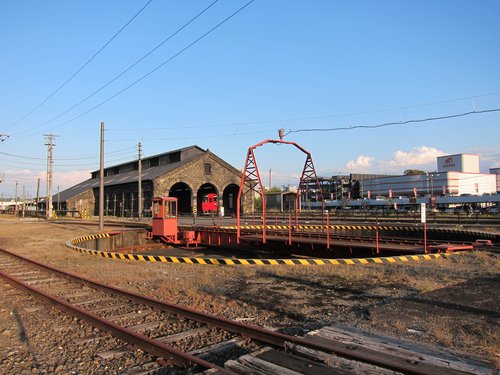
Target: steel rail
(155,347)
(355,239)
(349,351)
(320,234)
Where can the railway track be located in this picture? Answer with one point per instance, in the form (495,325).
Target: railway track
(309,234)
(177,335)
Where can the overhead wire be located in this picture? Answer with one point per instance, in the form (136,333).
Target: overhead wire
(393,123)
(111,157)
(59,165)
(55,164)
(241,123)
(123,72)
(79,69)
(156,68)
(321,129)
(196,137)
(125,150)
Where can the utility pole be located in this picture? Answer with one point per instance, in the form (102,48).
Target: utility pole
(15,201)
(139,201)
(101,182)
(37,194)
(24,201)
(50,161)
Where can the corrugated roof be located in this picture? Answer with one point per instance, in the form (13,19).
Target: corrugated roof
(132,176)
(145,160)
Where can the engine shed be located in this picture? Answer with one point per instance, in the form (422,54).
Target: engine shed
(189,174)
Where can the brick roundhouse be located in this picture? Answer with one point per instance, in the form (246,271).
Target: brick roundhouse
(188,174)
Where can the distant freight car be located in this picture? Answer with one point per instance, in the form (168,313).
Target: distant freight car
(209,204)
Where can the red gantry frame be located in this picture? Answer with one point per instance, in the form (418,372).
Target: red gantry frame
(250,180)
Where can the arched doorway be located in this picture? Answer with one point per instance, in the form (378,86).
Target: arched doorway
(182,192)
(203,194)
(229,197)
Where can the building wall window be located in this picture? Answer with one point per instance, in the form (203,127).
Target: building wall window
(175,157)
(208,169)
(154,162)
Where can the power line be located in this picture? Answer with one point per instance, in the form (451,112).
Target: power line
(126,150)
(196,137)
(79,69)
(393,123)
(263,122)
(22,162)
(123,72)
(92,165)
(321,129)
(157,68)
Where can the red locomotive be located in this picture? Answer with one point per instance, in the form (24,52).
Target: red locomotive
(209,204)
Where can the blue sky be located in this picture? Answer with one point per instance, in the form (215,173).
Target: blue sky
(290,64)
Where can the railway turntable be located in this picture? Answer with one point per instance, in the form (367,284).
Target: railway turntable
(324,241)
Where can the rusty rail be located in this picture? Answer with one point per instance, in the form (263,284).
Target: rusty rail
(155,347)
(180,358)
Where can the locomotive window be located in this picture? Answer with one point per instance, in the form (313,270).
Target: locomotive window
(156,208)
(170,209)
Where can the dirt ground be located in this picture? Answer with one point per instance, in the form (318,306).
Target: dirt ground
(451,303)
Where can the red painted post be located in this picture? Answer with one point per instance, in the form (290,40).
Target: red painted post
(425,238)
(290,230)
(327,230)
(376,240)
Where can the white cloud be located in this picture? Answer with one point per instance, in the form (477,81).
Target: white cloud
(360,164)
(489,157)
(70,178)
(421,157)
(28,178)
(279,178)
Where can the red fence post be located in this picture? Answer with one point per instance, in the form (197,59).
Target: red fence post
(327,230)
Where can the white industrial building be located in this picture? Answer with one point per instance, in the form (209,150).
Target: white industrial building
(456,175)
(496,172)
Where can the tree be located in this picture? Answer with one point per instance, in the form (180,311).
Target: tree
(257,203)
(412,172)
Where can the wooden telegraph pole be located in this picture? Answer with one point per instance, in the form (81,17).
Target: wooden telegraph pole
(37,194)
(139,180)
(101,182)
(50,161)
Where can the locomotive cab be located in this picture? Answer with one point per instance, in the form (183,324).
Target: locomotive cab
(164,210)
(209,204)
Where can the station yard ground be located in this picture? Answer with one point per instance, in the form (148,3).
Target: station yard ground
(451,303)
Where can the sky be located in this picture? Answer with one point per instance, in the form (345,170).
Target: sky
(327,72)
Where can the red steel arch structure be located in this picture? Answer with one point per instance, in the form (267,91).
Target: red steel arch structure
(251,180)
